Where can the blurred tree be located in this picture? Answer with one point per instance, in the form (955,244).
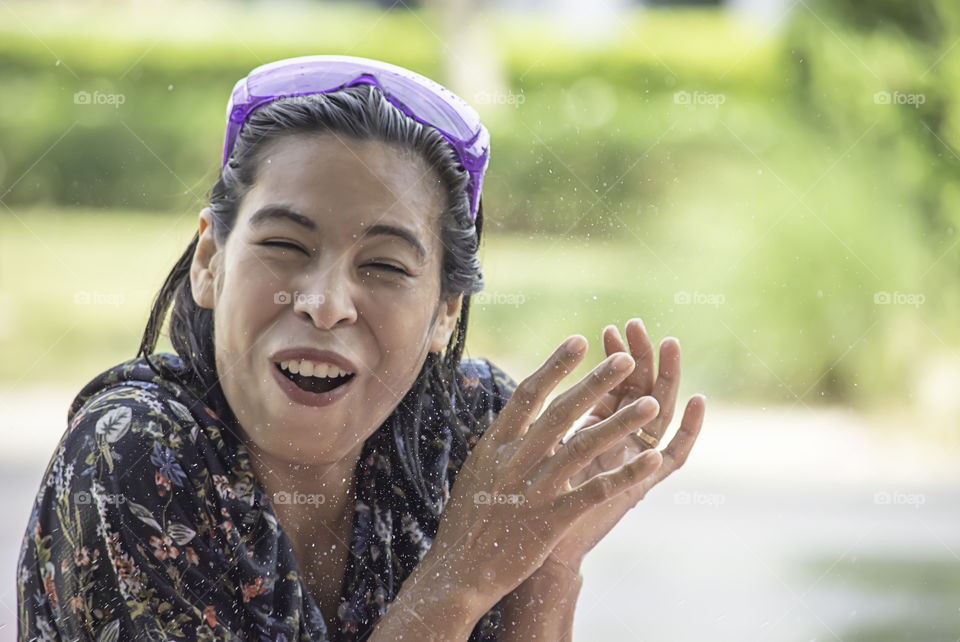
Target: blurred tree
(397,4)
(889,47)
(473,66)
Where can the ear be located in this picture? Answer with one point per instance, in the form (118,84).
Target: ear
(206,262)
(446,323)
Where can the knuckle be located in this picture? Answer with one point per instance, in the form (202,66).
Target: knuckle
(634,473)
(559,410)
(551,416)
(605,488)
(525,393)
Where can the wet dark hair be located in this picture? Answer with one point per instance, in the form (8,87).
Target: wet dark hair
(360,112)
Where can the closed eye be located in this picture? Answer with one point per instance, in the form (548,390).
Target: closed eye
(387,266)
(292,246)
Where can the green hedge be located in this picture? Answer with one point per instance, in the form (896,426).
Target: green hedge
(159,148)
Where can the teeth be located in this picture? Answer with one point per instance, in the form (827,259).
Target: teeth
(311,369)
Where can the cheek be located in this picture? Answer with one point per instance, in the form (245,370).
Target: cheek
(401,326)
(249,293)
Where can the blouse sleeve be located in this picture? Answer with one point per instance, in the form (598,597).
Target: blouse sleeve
(503,386)
(135,536)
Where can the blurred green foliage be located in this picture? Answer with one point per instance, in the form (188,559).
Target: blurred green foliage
(758,172)
(589,112)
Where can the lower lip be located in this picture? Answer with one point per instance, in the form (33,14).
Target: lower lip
(303,397)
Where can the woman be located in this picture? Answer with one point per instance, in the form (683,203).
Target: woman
(289,474)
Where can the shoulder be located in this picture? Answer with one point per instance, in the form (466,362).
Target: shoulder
(137,498)
(133,384)
(134,450)
(131,408)
(132,424)
(485,388)
(152,440)
(138,465)
(484,381)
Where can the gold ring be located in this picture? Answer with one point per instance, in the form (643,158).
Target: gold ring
(649,439)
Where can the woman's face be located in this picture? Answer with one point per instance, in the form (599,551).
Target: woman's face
(335,248)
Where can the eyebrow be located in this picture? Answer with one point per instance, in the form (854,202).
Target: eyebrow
(280,212)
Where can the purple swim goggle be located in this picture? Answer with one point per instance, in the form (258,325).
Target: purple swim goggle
(417,96)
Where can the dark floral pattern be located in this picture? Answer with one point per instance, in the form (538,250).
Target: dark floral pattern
(150,523)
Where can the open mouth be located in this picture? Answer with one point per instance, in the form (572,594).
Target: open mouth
(315,384)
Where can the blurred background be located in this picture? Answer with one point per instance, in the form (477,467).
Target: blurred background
(773,182)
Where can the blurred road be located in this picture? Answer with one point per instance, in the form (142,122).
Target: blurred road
(783,525)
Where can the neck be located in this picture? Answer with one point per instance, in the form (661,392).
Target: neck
(301,493)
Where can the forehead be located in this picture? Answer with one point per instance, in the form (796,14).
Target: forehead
(348,185)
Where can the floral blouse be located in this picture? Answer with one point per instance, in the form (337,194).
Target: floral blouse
(150,523)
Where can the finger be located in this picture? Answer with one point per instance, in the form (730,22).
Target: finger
(621,453)
(612,342)
(620,396)
(640,381)
(641,349)
(667,386)
(606,406)
(586,445)
(677,451)
(530,394)
(563,411)
(603,488)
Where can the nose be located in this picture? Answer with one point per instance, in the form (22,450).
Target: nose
(327,297)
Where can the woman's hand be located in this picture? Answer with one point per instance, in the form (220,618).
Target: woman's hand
(596,523)
(511,504)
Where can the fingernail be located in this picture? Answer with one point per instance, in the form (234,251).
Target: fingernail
(574,344)
(622,361)
(646,404)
